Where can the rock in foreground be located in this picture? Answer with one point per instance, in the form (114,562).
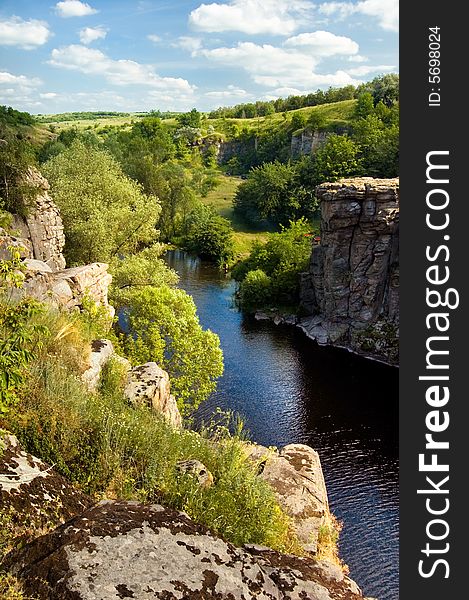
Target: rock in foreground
(130,550)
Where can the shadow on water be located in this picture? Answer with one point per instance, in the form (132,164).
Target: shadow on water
(290,390)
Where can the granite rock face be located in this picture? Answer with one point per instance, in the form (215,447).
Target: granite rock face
(43,226)
(149,385)
(130,550)
(33,491)
(296,477)
(68,289)
(352,288)
(307,142)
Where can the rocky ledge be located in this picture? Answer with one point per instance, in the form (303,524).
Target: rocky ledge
(131,550)
(351,290)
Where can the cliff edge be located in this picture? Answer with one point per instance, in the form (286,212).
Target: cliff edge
(351,291)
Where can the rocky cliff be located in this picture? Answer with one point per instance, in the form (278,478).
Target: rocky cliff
(351,291)
(118,549)
(43,225)
(307,142)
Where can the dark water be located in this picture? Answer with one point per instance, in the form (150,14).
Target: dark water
(290,390)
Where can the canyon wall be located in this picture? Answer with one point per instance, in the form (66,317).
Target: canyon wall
(351,291)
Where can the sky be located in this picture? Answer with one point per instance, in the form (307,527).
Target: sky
(145,55)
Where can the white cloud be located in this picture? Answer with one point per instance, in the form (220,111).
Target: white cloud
(341,10)
(48,96)
(231,93)
(118,72)
(188,43)
(276,17)
(22,81)
(267,65)
(275,67)
(90,34)
(324,43)
(24,34)
(18,89)
(154,38)
(385,11)
(367,69)
(74,8)
(358,58)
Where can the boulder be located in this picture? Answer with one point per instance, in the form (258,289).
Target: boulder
(296,477)
(149,385)
(69,288)
(196,469)
(131,550)
(32,491)
(7,241)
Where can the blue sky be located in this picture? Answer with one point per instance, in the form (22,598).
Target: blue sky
(178,54)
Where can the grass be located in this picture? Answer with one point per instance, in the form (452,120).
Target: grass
(221,198)
(335,114)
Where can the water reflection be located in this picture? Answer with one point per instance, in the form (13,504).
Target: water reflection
(290,390)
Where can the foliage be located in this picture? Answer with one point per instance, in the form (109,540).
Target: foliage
(191,119)
(165,329)
(280,105)
(18,341)
(115,450)
(104,212)
(16,156)
(377,133)
(270,275)
(383,89)
(208,235)
(10,116)
(255,290)
(274,192)
(338,157)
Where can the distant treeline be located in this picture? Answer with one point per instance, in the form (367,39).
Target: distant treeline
(10,116)
(92,116)
(385,88)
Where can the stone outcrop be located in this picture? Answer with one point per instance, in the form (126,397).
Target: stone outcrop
(352,288)
(232,148)
(130,550)
(8,242)
(307,142)
(43,225)
(296,477)
(101,352)
(149,385)
(33,491)
(196,469)
(68,289)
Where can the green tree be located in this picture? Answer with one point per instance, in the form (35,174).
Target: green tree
(272,271)
(104,212)
(209,235)
(364,106)
(190,119)
(338,157)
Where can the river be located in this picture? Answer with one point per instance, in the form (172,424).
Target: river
(289,390)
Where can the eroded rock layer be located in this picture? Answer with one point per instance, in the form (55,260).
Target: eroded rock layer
(131,550)
(352,288)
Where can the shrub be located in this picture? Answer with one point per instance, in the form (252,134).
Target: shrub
(209,235)
(255,290)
